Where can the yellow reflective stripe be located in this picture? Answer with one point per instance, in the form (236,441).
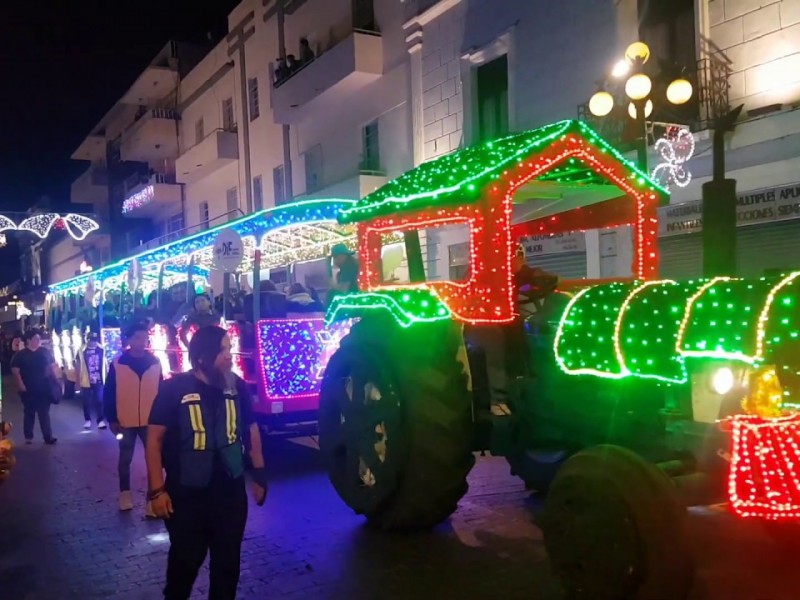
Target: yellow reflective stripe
(230,406)
(196,416)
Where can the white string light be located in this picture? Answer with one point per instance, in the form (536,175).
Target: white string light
(77,226)
(675,149)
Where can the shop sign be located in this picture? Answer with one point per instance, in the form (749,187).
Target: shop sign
(753,208)
(556,243)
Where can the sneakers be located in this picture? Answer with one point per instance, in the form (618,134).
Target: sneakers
(149,511)
(102,424)
(125,501)
(87,425)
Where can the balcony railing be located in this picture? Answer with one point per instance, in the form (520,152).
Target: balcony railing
(187,231)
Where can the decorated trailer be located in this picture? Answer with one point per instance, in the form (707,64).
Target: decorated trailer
(282,355)
(622,404)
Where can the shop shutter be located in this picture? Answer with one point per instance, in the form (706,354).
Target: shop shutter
(768,247)
(681,256)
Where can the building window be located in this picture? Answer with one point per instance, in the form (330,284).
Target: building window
(313,158)
(371,152)
(174,226)
(252,95)
(278,185)
(258,193)
(199,131)
(232,202)
(204,216)
(492,81)
(228,115)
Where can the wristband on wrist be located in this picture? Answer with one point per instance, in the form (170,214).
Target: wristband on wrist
(153,494)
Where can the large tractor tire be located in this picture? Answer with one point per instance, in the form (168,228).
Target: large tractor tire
(395,423)
(614,529)
(786,534)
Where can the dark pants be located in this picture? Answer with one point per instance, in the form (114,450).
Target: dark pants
(36,404)
(127,445)
(206,521)
(93,398)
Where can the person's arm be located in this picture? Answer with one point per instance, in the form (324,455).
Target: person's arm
(110,398)
(252,442)
(15,371)
(54,369)
(163,416)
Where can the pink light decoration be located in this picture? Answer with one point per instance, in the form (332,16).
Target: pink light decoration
(139,199)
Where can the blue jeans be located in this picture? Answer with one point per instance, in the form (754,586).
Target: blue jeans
(126,447)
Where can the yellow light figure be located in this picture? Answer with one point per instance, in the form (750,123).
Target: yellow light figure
(55,342)
(66,350)
(766,394)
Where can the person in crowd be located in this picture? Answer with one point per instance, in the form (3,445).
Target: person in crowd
(131,386)
(306,53)
(292,63)
(281,71)
(36,375)
(299,300)
(200,427)
(201,315)
(346,279)
(91,380)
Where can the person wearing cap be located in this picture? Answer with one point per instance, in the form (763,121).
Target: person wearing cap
(201,425)
(346,280)
(90,366)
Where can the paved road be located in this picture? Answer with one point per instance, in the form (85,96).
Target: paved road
(62,537)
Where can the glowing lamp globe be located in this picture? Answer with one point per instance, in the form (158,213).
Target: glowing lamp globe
(679,91)
(637,51)
(638,86)
(648,109)
(601,104)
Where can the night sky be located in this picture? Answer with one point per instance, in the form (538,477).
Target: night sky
(62,66)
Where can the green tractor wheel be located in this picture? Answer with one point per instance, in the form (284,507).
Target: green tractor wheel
(395,424)
(614,529)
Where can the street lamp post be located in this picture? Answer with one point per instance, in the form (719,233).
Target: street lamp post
(638,89)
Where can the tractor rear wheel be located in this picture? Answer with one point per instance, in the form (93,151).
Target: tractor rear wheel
(395,423)
(614,529)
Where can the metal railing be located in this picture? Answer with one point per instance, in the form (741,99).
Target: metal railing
(713,82)
(136,181)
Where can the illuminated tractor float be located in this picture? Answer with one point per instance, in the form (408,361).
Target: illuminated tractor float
(626,401)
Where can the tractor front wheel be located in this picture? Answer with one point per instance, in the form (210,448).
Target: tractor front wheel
(614,529)
(395,424)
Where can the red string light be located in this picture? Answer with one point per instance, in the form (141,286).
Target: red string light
(764,479)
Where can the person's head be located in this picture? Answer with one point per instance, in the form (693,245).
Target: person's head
(304,42)
(340,254)
(33,339)
(202,303)
(268,286)
(518,261)
(137,337)
(297,288)
(291,59)
(210,353)
(92,340)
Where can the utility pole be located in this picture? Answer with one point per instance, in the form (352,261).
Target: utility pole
(236,41)
(719,206)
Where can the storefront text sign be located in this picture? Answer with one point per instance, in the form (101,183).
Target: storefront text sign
(753,208)
(557,243)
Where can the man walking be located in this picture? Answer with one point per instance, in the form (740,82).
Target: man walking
(91,380)
(131,387)
(36,374)
(201,423)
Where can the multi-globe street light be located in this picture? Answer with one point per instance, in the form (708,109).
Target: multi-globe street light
(638,89)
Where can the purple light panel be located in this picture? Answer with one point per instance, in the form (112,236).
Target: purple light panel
(294,354)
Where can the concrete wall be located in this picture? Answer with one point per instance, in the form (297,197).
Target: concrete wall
(761,38)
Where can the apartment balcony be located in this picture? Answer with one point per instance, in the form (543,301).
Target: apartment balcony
(151,197)
(91,187)
(154,84)
(216,150)
(93,148)
(152,136)
(334,77)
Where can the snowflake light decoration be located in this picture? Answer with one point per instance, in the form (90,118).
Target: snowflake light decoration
(675,150)
(77,226)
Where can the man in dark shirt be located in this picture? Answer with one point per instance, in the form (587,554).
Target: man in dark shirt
(36,374)
(200,425)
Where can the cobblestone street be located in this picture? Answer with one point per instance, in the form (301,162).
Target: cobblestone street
(63,537)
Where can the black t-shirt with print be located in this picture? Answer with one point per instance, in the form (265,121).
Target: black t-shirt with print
(166,412)
(34,368)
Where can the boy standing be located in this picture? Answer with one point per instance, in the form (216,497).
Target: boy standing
(91,379)
(131,387)
(35,373)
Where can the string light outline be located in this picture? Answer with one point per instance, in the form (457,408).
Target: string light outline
(77,226)
(139,199)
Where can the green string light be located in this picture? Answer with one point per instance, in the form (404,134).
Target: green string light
(407,306)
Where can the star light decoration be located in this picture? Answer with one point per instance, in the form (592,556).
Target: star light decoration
(675,150)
